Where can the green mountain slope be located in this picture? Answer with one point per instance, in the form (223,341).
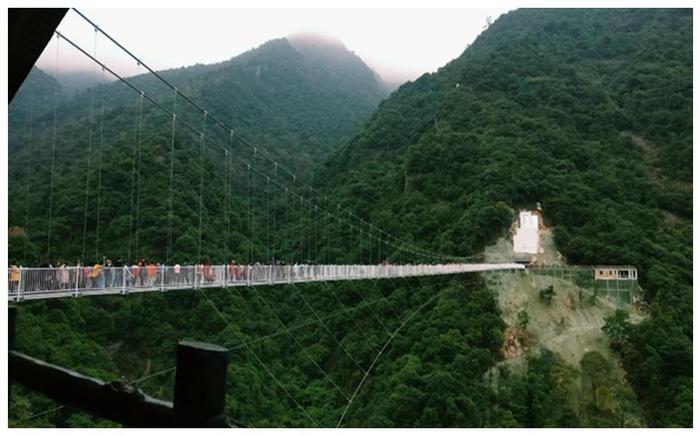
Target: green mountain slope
(585,111)
(588,112)
(297,104)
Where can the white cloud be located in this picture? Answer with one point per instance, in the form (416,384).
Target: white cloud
(397,43)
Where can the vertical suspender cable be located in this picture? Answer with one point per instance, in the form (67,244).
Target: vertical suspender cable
(138,178)
(251,195)
(201,186)
(27,192)
(89,159)
(275,255)
(99,171)
(268,217)
(171,201)
(287,236)
(53,157)
(133,175)
(227,203)
(248,220)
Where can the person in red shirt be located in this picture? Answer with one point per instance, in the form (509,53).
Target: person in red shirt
(151,271)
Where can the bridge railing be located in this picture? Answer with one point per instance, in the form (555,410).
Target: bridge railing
(31,283)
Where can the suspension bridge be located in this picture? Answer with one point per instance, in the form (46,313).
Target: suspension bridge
(43,283)
(272,204)
(269,187)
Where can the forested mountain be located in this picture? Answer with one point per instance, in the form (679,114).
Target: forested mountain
(296,104)
(588,112)
(295,99)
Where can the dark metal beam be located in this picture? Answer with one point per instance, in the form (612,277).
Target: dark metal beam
(116,401)
(29,30)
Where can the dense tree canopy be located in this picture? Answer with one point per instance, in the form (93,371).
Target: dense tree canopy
(588,112)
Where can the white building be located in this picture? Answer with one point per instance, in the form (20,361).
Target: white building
(527,236)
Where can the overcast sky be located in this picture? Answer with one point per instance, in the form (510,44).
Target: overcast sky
(400,44)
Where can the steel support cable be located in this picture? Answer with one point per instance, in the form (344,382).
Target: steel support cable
(286,243)
(379,354)
(133,177)
(268,217)
(248,220)
(99,173)
(53,155)
(89,158)
(391,306)
(302,325)
(257,358)
(374,314)
(138,178)
(296,341)
(201,186)
(215,121)
(275,255)
(256,150)
(325,327)
(252,214)
(171,200)
(302,230)
(28,169)
(352,318)
(227,204)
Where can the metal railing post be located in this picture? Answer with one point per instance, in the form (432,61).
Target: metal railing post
(162,278)
(78,271)
(19,285)
(125,271)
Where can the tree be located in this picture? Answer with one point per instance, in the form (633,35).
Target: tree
(523,319)
(547,294)
(617,328)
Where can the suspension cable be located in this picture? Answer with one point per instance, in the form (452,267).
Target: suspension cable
(28,169)
(169,250)
(220,124)
(89,157)
(379,354)
(53,155)
(99,171)
(201,186)
(137,122)
(256,357)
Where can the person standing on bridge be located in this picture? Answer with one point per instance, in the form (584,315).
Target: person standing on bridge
(108,273)
(142,271)
(117,272)
(207,272)
(14,276)
(151,269)
(64,276)
(177,270)
(97,276)
(234,271)
(135,274)
(86,276)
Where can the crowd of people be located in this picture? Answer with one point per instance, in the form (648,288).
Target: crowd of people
(148,273)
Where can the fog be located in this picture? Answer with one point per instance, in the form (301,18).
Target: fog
(399,44)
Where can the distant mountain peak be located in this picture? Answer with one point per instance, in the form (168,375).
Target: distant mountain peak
(304,41)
